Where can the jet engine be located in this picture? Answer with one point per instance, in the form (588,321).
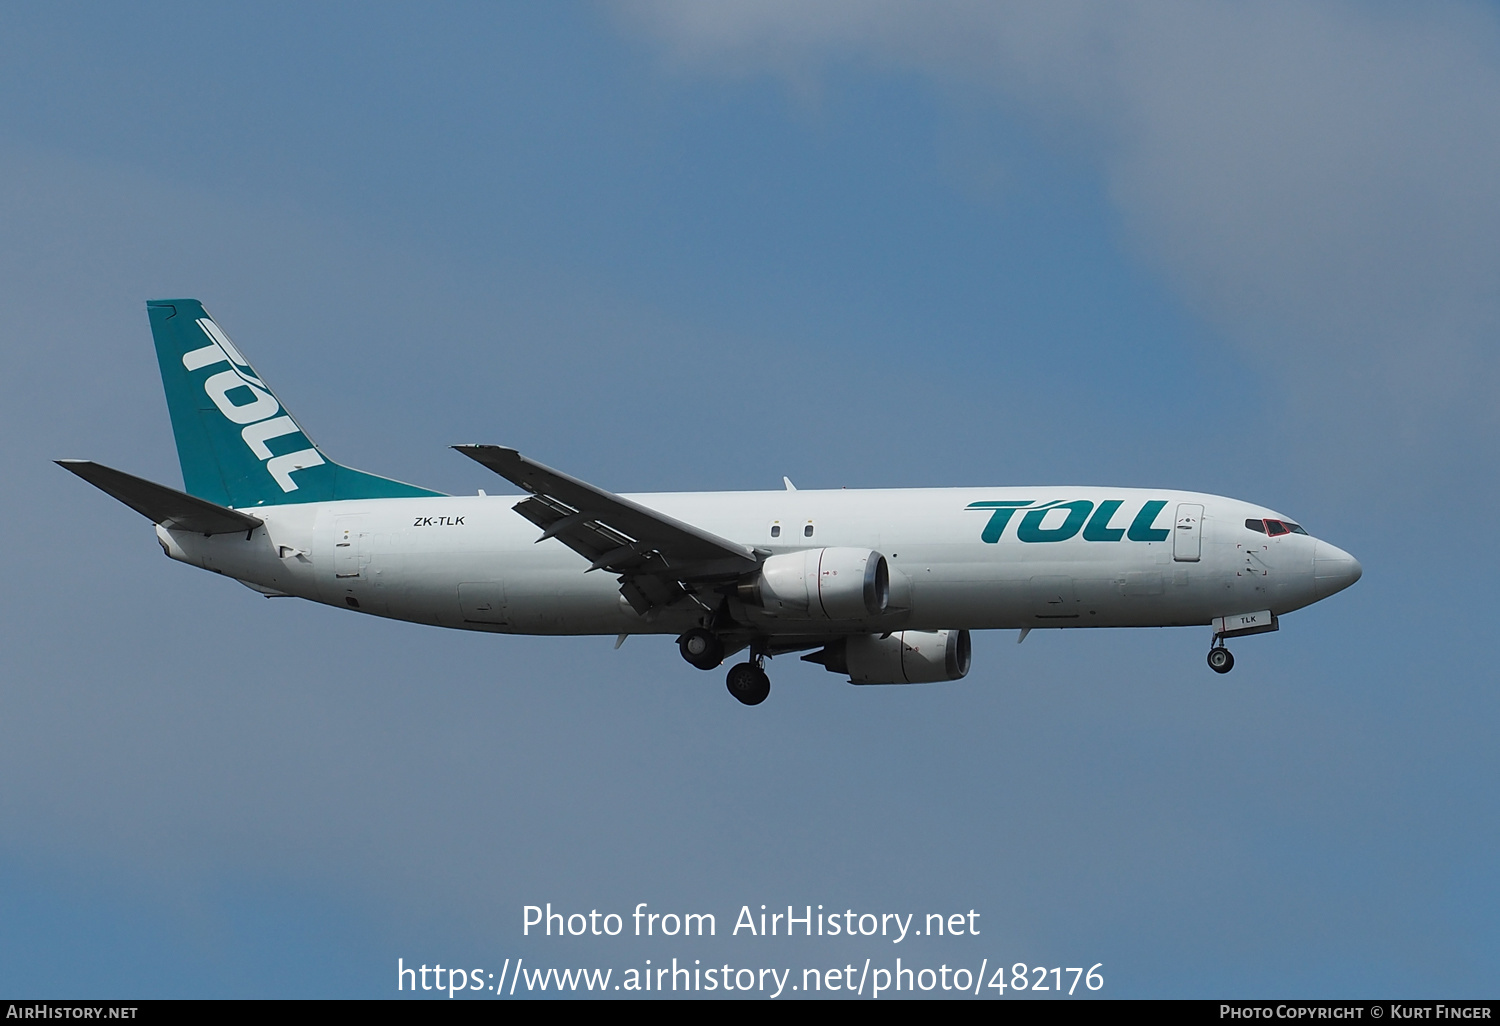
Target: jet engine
(905,657)
(820,584)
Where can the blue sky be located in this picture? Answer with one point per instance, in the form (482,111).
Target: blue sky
(1250,251)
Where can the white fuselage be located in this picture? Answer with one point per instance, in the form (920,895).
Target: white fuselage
(471,562)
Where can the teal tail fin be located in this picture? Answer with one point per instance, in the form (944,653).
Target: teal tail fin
(238,445)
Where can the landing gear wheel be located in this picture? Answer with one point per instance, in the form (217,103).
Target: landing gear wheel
(702,648)
(1219,660)
(748,683)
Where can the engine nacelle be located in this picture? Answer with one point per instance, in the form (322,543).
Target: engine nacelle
(821,584)
(905,657)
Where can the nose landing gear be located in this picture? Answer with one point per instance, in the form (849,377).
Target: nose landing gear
(1219,658)
(1240,625)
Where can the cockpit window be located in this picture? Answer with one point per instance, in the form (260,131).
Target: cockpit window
(1274,527)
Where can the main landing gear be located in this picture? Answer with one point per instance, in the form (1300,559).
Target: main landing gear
(748,682)
(702,648)
(1219,658)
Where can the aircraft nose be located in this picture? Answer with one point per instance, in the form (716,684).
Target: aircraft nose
(1333,569)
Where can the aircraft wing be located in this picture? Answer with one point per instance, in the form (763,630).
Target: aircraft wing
(166,506)
(653,552)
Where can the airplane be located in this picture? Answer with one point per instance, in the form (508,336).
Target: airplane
(880,585)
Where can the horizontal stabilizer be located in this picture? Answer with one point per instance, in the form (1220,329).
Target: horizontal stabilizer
(166,506)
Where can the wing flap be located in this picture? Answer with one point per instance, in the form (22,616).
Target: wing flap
(574,528)
(610,531)
(166,506)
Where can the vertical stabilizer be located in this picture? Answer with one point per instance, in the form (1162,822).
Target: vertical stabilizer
(237,444)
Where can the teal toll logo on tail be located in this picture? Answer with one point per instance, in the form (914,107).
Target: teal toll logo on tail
(238,444)
(258,413)
(1061,520)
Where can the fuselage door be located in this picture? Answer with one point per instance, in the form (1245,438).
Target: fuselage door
(350,546)
(483,602)
(1187,538)
(1053,598)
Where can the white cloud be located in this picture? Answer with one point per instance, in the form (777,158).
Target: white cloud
(1318,182)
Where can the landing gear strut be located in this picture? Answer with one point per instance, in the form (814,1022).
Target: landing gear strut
(1240,625)
(748,682)
(1219,658)
(702,648)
